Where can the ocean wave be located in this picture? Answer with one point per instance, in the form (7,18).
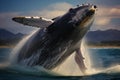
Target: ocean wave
(17,72)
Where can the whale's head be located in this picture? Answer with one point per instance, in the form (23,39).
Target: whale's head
(82,16)
(76,21)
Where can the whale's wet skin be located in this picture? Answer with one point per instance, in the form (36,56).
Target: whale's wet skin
(50,46)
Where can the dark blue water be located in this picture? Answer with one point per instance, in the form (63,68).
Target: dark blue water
(101,59)
(104,58)
(4,54)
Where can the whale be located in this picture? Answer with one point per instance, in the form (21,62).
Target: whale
(54,42)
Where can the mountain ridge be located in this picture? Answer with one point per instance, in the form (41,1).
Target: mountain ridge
(7,37)
(107,35)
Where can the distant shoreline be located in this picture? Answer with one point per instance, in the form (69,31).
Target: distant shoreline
(5,46)
(89,46)
(110,46)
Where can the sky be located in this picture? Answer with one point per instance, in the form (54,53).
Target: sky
(107,16)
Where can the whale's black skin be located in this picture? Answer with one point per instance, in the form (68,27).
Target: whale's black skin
(50,46)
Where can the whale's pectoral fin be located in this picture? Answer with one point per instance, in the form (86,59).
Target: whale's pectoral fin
(38,22)
(80,60)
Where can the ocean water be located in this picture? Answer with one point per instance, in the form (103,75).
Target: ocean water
(104,57)
(4,54)
(106,60)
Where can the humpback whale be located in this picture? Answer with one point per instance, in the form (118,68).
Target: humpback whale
(56,38)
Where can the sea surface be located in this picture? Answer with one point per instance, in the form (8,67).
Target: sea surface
(105,59)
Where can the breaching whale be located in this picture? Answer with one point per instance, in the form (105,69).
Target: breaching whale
(57,38)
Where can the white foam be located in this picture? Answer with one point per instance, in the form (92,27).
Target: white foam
(15,51)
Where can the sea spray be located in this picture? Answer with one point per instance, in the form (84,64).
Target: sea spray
(88,63)
(15,51)
(69,66)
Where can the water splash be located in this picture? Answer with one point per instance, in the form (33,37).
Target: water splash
(69,67)
(14,53)
(88,63)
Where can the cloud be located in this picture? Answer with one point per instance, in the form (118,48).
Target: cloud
(109,11)
(7,23)
(115,12)
(50,11)
(107,18)
(53,10)
(102,21)
(107,2)
(105,27)
(6,19)
(60,6)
